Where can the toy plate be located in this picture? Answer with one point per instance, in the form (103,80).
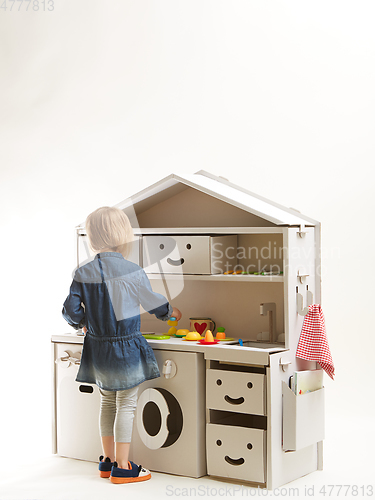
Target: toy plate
(208,343)
(226,339)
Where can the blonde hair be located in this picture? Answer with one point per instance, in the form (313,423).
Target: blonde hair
(108,228)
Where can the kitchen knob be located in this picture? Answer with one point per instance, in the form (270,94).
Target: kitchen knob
(69,359)
(169,368)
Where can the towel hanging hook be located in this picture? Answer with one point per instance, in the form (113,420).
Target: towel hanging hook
(309,300)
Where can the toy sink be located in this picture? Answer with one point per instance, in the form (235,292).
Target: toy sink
(261,345)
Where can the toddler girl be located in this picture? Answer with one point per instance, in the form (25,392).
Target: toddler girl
(104,300)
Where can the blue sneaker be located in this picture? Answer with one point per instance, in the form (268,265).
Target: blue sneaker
(105,466)
(134,474)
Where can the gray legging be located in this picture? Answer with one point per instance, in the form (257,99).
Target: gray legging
(117,413)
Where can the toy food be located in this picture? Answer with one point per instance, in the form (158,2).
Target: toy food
(172,322)
(209,337)
(220,335)
(182,332)
(193,336)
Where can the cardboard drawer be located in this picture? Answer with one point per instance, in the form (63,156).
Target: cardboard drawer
(236,452)
(189,254)
(76,430)
(240,392)
(84,253)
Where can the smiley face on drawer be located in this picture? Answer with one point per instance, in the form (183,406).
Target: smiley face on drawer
(236,452)
(235,391)
(234,401)
(235,461)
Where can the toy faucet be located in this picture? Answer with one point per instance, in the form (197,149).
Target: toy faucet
(270,307)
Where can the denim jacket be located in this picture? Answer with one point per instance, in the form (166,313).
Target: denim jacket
(105,296)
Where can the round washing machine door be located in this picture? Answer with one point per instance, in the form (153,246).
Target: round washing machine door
(159,418)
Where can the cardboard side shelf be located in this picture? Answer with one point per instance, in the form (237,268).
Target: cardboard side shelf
(303,418)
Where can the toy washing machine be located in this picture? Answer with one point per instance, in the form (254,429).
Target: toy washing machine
(169,424)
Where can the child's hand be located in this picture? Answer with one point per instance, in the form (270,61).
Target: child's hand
(84,329)
(176,313)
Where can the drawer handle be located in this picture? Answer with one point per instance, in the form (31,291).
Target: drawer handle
(232,401)
(86,388)
(232,461)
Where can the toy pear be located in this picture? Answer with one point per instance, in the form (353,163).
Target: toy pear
(209,337)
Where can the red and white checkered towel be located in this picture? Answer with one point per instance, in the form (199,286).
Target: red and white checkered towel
(313,344)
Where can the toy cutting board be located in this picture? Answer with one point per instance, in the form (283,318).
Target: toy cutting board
(153,336)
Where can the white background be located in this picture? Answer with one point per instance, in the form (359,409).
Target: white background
(101,99)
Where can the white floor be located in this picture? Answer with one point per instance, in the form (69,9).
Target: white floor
(348,461)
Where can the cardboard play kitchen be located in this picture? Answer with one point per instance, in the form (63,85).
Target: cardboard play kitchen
(223,409)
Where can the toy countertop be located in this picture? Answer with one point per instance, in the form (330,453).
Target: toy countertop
(173,343)
(231,352)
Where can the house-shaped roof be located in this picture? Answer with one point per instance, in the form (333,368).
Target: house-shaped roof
(203,199)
